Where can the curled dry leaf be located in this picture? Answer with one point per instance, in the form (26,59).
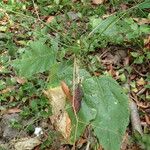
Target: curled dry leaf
(60,118)
(78,98)
(66,90)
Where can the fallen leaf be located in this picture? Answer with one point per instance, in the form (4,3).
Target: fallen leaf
(57,99)
(50,19)
(27,143)
(13,110)
(60,118)
(97,2)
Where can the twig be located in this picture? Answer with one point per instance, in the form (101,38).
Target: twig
(74,83)
(135,118)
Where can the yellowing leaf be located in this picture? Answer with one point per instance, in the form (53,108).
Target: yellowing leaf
(60,118)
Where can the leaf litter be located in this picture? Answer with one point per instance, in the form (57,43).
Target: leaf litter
(112,61)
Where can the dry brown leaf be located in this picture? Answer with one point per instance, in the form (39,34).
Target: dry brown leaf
(27,143)
(97,2)
(66,90)
(49,19)
(60,118)
(77,98)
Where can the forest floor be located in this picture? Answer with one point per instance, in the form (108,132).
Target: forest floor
(104,38)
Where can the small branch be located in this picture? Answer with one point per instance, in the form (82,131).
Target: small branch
(135,118)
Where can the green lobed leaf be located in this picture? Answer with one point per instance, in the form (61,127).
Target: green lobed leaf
(38,58)
(105,96)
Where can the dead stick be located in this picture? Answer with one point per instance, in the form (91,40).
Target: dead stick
(135,118)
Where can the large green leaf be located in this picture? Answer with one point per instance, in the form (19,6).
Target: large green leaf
(107,98)
(38,58)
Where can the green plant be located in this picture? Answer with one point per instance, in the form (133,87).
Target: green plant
(48,49)
(109,105)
